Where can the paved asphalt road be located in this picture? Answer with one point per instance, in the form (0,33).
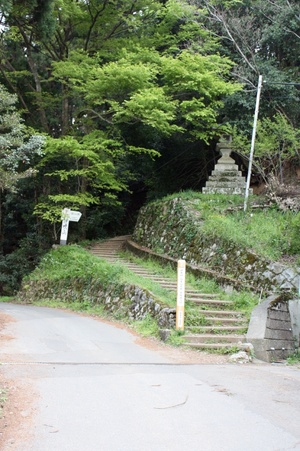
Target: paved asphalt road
(94,388)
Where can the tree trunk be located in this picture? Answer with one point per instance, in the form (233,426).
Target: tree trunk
(38,86)
(65,111)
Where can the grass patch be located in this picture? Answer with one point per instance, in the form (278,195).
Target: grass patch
(243,301)
(294,359)
(176,338)
(71,262)
(269,232)
(6,298)
(146,327)
(265,232)
(73,265)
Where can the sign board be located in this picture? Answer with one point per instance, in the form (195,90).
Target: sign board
(74,215)
(67,215)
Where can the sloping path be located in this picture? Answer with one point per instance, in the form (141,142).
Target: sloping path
(219,326)
(91,387)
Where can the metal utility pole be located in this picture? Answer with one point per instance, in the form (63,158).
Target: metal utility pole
(253,141)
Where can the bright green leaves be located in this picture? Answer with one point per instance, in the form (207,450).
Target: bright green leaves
(276,141)
(150,106)
(167,93)
(277,135)
(115,84)
(117,80)
(85,159)
(84,172)
(198,83)
(198,75)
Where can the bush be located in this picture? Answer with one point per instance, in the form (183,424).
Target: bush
(295,234)
(19,263)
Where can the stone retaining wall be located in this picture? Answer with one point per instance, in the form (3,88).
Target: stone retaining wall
(173,228)
(120,301)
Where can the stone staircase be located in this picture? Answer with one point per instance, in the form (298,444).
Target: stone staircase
(215,326)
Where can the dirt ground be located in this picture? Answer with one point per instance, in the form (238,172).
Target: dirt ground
(17,399)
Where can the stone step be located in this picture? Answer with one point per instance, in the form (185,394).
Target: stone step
(213,338)
(106,250)
(148,275)
(225,183)
(196,294)
(110,258)
(105,254)
(221,313)
(228,173)
(135,268)
(225,166)
(167,286)
(224,320)
(213,329)
(159,278)
(222,190)
(210,302)
(211,346)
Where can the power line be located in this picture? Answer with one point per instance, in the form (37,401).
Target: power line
(280,83)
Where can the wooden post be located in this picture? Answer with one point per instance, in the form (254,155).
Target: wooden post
(181,265)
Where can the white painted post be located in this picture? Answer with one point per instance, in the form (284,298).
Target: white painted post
(260,80)
(65,216)
(181,266)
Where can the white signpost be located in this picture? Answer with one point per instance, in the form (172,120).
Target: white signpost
(181,265)
(67,215)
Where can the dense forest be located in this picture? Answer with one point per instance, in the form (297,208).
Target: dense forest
(106,104)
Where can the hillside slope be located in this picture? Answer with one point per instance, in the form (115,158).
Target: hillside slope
(213,232)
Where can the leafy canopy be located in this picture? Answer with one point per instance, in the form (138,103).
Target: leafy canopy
(18,144)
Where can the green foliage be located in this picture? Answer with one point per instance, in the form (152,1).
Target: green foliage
(18,144)
(147,327)
(244,301)
(16,265)
(277,140)
(294,359)
(6,298)
(125,83)
(84,165)
(110,84)
(176,338)
(69,262)
(72,272)
(295,234)
(267,231)
(255,35)
(262,231)
(162,92)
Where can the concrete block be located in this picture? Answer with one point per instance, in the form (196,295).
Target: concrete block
(279,334)
(276,324)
